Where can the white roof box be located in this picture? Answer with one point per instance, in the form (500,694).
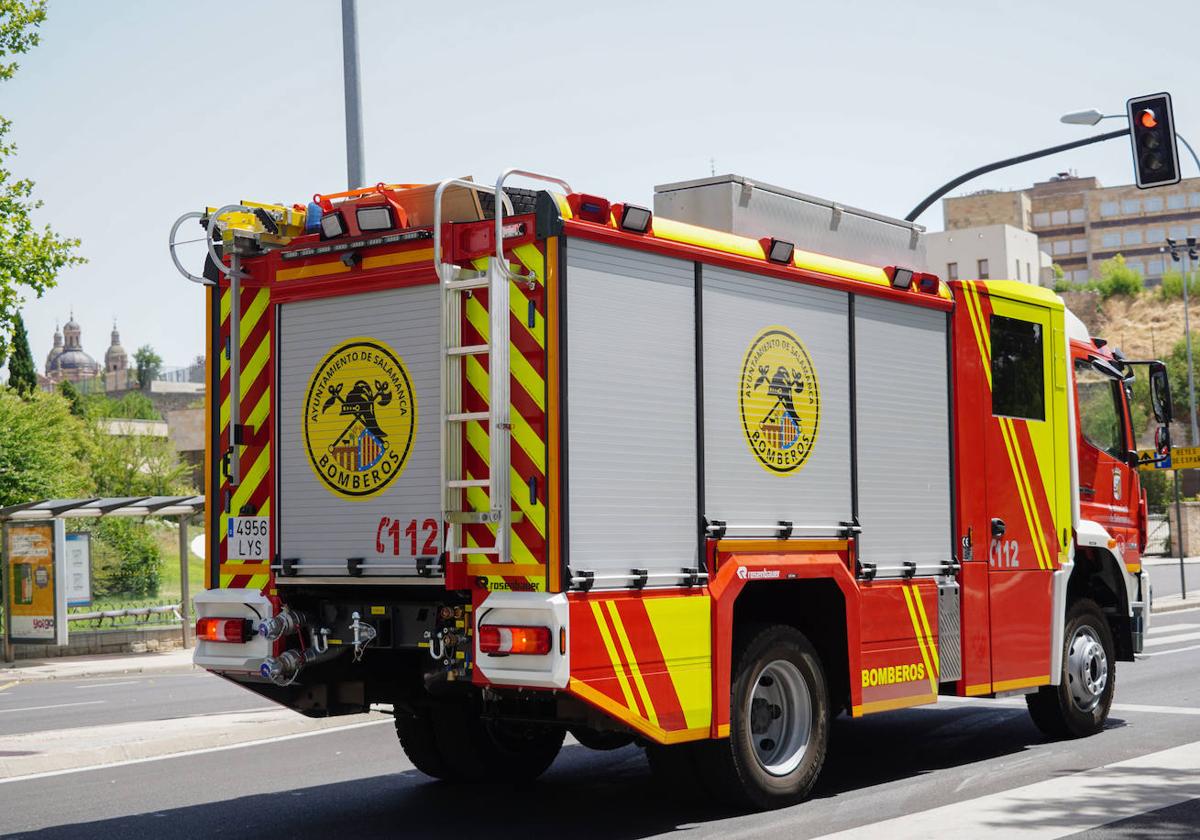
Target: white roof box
(741,205)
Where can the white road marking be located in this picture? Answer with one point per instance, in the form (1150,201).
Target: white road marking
(1168,652)
(1018,703)
(111,764)
(107,685)
(1170,640)
(1164,629)
(1054,807)
(53,706)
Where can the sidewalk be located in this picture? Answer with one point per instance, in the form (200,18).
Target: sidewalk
(1173,603)
(72,667)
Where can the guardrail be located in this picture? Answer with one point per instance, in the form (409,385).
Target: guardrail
(134,612)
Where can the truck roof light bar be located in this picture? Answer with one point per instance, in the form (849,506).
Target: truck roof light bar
(779,251)
(635,219)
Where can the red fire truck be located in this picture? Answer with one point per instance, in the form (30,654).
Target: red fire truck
(700,477)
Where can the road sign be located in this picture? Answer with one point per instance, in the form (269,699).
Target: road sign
(1181,458)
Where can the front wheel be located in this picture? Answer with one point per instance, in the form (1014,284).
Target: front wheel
(1078,706)
(779,722)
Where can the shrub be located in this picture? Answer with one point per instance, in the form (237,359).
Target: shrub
(127,561)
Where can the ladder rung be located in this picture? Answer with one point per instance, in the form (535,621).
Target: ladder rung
(460,483)
(467,285)
(469,350)
(467,417)
(483,549)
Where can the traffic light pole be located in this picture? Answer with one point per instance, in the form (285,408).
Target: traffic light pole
(1001,164)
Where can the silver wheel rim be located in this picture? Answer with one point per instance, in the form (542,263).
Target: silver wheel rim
(779,716)
(1087,669)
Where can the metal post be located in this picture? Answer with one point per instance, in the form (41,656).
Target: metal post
(354,132)
(1187,334)
(185,597)
(6,586)
(1179,535)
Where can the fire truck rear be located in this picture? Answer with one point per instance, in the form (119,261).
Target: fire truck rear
(520,463)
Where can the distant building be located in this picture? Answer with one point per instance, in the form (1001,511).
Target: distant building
(988,252)
(1081,223)
(67,360)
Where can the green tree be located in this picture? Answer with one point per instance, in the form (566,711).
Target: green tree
(22,373)
(30,259)
(1177,373)
(127,560)
(43,449)
(134,464)
(71,394)
(148,364)
(132,406)
(1117,278)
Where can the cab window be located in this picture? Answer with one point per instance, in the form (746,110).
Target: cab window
(1018,385)
(1100,409)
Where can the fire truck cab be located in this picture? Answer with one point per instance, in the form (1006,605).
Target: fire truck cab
(519,463)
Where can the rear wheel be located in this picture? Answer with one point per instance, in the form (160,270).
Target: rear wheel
(1078,706)
(779,722)
(452,742)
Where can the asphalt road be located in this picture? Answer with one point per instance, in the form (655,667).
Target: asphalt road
(968,759)
(1164,577)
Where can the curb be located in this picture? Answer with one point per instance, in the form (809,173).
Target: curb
(1174,605)
(43,672)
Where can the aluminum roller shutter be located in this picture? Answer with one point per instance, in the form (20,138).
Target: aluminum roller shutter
(739,487)
(317,526)
(903,434)
(631,412)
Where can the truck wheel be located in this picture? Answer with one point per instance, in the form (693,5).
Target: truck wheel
(1078,706)
(477,750)
(419,743)
(779,722)
(602,740)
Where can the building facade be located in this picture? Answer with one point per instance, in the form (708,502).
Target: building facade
(988,252)
(1081,223)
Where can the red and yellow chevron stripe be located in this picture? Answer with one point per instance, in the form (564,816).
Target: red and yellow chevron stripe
(527,362)
(646,660)
(253,494)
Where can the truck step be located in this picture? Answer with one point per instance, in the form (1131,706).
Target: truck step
(469,350)
(460,483)
(467,416)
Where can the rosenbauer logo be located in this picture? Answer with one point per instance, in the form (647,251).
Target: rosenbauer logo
(780,400)
(360,418)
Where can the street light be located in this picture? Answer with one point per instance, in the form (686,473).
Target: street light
(1091,117)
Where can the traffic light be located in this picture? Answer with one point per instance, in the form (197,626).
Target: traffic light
(1152,129)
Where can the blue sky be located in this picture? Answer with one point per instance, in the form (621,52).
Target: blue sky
(130,113)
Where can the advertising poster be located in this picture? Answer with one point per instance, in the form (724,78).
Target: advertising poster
(77,570)
(30,557)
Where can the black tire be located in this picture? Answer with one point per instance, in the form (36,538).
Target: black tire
(732,766)
(602,740)
(419,743)
(477,750)
(1056,709)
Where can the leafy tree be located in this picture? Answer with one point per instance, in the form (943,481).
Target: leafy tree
(22,374)
(29,259)
(1177,373)
(148,364)
(1117,278)
(128,560)
(1172,285)
(132,406)
(136,465)
(43,449)
(71,394)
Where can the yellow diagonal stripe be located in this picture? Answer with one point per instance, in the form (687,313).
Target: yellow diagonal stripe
(534,512)
(933,651)
(250,372)
(479,501)
(258,305)
(250,480)
(606,637)
(522,432)
(912,615)
(1009,445)
(623,638)
(1039,534)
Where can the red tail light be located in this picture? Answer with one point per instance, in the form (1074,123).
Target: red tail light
(501,640)
(232,630)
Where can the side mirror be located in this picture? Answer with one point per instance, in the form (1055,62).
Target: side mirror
(1132,459)
(1162,442)
(1160,392)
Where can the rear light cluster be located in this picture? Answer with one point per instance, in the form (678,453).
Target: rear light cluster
(501,640)
(232,630)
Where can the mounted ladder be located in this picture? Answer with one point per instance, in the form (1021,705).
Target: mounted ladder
(456,281)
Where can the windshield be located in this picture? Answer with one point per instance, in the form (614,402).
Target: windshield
(1100,409)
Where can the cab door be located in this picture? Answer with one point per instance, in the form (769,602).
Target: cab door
(1023,441)
(1108,487)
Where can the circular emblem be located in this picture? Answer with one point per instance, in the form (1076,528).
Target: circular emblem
(360,418)
(780,400)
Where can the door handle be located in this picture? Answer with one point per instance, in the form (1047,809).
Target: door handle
(1085,490)
(998,528)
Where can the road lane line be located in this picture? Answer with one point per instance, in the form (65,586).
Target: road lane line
(1169,652)
(1055,807)
(107,685)
(1017,703)
(1170,640)
(53,706)
(6,685)
(1167,629)
(186,753)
